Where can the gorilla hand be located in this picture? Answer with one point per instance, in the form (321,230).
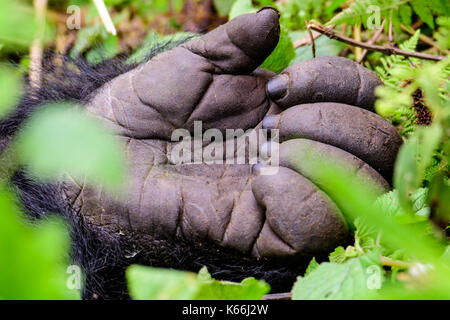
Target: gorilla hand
(214,79)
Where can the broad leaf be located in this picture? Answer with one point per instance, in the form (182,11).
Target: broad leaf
(355,279)
(324,47)
(10,89)
(148,283)
(413,159)
(240,7)
(33,258)
(223,7)
(283,54)
(60,138)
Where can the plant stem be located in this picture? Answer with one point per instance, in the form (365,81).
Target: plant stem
(306,40)
(278,296)
(393,263)
(357,37)
(311,39)
(36,51)
(372,47)
(105,17)
(372,40)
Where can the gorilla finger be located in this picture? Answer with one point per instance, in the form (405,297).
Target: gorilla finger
(300,218)
(332,79)
(360,132)
(232,102)
(308,157)
(242,44)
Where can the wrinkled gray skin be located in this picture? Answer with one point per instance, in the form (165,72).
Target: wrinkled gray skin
(214,79)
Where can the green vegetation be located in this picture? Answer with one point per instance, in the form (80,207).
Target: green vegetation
(401,248)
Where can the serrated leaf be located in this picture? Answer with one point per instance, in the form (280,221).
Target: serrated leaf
(365,234)
(156,283)
(388,203)
(350,280)
(248,289)
(311,266)
(339,255)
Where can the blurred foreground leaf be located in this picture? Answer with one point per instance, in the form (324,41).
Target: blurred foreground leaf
(223,7)
(148,283)
(240,7)
(10,88)
(18,26)
(414,158)
(60,138)
(33,259)
(414,240)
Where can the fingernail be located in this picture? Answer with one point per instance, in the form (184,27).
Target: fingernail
(277,87)
(271,122)
(271,8)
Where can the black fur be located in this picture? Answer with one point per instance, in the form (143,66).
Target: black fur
(105,255)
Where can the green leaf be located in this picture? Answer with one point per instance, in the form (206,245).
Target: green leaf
(86,37)
(340,255)
(10,90)
(33,258)
(148,283)
(241,7)
(442,35)
(356,198)
(62,139)
(311,266)
(389,203)
(355,279)
(324,47)
(18,26)
(439,199)
(412,161)
(223,7)
(283,54)
(422,9)
(108,49)
(365,234)
(248,289)
(406,14)
(335,4)
(154,40)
